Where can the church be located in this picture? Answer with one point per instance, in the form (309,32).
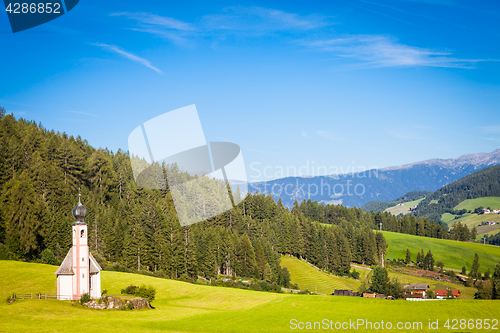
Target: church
(79,273)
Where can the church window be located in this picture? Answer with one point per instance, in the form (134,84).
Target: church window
(83,259)
(82,233)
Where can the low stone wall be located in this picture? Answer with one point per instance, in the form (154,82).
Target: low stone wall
(108,303)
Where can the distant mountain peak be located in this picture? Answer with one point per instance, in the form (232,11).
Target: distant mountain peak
(479,159)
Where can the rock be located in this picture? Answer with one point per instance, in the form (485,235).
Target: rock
(141,303)
(116,303)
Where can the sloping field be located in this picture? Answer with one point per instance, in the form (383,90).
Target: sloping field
(454,254)
(471,204)
(471,220)
(474,220)
(184,307)
(396,210)
(308,277)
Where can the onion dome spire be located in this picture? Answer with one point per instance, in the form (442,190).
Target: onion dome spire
(79,212)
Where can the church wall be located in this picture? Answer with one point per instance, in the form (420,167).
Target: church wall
(95,290)
(64,287)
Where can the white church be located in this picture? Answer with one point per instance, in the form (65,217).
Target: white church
(79,273)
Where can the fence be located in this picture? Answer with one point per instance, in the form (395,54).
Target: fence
(36,296)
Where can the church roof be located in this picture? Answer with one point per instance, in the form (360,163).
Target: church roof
(65,268)
(94,265)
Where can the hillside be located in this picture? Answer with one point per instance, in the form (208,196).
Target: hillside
(454,254)
(380,206)
(376,184)
(184,307)
(483,183)
(310,278)
(404,207)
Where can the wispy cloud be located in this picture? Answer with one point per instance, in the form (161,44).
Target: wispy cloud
(403,135)
(161,26)
(263,19)
(304,134)
(384,51)
(157,20)
(83,113)
(128,55)
(492,129)
(328,135)
(493,139)
(422,127)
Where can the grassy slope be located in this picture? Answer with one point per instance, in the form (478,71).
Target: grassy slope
(471,204)
(183,307)
(396,210)
(453,254)
(473,220)
(308,277)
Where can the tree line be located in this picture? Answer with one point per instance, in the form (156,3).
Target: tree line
(41,172)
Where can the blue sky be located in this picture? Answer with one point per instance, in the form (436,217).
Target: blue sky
(332,84)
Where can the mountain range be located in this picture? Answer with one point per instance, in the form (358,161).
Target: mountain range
(387,184)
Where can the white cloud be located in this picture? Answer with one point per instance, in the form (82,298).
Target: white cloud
(327,135)
(83,113)
(384,51)
(161,26)
(128,55)
(304,134)
(262,19)
(492,129)
(156,20)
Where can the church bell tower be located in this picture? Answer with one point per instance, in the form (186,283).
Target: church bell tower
(81,260)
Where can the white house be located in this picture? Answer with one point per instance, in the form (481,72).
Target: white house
(79,272)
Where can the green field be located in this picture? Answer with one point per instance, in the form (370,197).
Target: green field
(308,277)
(471,220)
(184,307)
(471,204)
(474,220)
(396,210)
(454,254)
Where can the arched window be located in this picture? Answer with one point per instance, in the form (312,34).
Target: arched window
(82,233)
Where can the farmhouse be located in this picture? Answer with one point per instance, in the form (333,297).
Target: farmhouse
(79,273)
(416,290)
(346,292)
(443,293)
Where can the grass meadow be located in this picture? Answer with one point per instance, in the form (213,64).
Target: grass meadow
(184,307)
(308,277)
(396,210)
(454,254)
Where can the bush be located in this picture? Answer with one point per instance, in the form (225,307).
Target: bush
(117,267)
(48,257)
(131,290)
(256,287)
(85,298)
(11,299)
(146,292)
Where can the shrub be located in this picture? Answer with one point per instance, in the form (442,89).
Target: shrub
(117,267)
(146,292)
(48,257)
(85,298)
(131,290)
(256,287)
(11,299)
